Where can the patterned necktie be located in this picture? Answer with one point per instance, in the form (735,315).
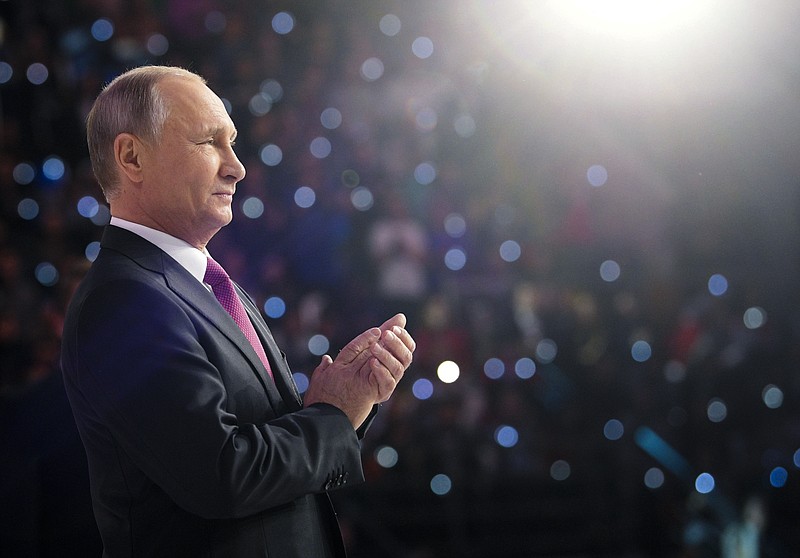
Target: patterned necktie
(223,289)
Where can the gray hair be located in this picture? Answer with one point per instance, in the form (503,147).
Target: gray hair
(132,103)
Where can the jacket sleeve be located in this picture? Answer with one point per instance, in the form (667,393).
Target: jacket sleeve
(144,386)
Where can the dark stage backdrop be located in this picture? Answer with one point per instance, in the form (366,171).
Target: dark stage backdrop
(588,210)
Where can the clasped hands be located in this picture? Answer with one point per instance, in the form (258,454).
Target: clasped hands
(365,372)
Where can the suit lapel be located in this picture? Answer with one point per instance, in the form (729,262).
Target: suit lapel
(185,286)
(277,360)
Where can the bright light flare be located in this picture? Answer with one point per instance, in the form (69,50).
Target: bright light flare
(637,19)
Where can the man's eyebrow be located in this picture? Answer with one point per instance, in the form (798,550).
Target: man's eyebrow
(218,130)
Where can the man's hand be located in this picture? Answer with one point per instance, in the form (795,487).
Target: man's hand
(365,372)
(392,356)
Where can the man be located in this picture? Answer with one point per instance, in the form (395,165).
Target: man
(198,441)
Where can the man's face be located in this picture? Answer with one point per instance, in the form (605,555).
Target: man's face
(190,173)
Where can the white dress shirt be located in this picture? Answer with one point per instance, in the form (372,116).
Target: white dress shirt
(192,259)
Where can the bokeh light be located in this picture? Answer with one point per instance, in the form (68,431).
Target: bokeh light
(28,209)
(102,217)
(88,206)
(320,147)
(425,173)
(772,396)
(455,225)
(37,73)
(272,90)
(441,484)
(455,259)
(53,168)
(305,197)
(362,198)
(717,284)
(253,207)
(641,351)
(275,307)
(510,251)
(46,274)
(465,125)
(597,175)
(525,368)
(6,72)
(157,44)
(390,25)
(331,118)
(778,477)
(494,368)
(283,23)
(92,250)
(546,351)
(260,104)
(654,478)
(674,371)
(426,119)
(102,29)
(754,317)
(448,371)
(350,178)
(506,436)
(613,429)
(271,155)
(318,344)
(716,410)
(610,271)
(24,173)
(422,47)
(386,456)
(372,69)
(422,389)
(560,470)
(302,381)
(704,483)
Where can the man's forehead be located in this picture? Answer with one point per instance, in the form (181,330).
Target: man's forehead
(193,103)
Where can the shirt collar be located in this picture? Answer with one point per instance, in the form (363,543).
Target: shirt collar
(189,257)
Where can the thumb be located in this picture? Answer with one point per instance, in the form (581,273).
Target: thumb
(323,364)
(359,345)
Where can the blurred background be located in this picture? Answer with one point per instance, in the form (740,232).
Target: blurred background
(587,209)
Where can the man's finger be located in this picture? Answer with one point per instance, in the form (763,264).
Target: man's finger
(405,338)
(396,320)
(392,353)
(358,345)
(382,380)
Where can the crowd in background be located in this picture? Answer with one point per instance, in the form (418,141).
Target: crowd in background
(345,262)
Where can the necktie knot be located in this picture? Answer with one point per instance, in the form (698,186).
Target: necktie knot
(215,274)
(223,289)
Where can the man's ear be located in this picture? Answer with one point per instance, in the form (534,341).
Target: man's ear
(128,156)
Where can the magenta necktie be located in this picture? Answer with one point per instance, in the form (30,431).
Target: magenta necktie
(223,289)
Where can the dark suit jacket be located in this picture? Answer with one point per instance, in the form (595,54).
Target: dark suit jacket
(192,449)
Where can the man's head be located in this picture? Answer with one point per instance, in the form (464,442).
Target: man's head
(160,143)
(130,103)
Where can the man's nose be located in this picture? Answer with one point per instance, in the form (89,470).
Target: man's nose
(233,167)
